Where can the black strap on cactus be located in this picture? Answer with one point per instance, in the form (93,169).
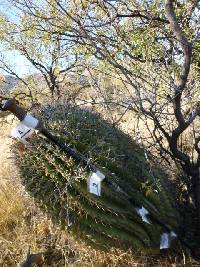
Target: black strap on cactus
(69,151)
(20,113)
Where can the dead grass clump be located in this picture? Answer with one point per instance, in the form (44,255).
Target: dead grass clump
(11,206)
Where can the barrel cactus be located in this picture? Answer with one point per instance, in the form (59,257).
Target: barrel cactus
(59,183)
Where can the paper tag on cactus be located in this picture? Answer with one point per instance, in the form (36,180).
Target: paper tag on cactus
(143,214)
(30,121)
(173,235)
(22,132)
(164,241)
(94,183)
(166,238)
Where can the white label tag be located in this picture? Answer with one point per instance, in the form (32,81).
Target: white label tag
(94,183)
(100,175)
(143,214)
(30,121)
(164,241)
(173,235)
(22,132)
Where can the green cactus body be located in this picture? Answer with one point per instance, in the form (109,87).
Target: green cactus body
(59,183)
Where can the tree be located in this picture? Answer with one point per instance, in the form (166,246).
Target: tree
(46,51)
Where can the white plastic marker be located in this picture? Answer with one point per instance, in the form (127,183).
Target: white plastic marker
(22,132)
(166,238)
(173,235)
(143,214)
(164,241)
(94,183)
(30,121)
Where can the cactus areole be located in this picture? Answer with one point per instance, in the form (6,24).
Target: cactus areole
(55,170)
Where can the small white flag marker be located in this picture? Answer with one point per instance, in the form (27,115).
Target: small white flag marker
(166,238)
(94,183)
(164,241)
(22,132)
(143,214)
(173,235)
(30,121)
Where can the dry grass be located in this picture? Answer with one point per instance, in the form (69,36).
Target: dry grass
(24,226)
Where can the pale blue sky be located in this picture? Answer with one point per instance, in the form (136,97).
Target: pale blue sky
(19,63)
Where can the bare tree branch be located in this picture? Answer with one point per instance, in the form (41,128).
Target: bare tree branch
(187,50)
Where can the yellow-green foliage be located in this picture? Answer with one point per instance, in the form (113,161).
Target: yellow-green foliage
(60,184)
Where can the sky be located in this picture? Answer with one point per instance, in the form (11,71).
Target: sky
(19,63)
